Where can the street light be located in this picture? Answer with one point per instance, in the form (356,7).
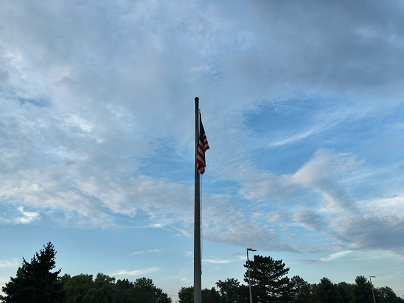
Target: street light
(248,265)
(373,293)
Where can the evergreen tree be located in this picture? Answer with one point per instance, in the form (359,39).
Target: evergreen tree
(34,281)
(268,279)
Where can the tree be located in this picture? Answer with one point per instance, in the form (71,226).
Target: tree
(268,279)
(123,291)
(228,290)
(105,288)
(386,295)
(186,295)
(78,289)
(362,291)
(144,291)
(345,291)
(210,295)
(300,291)
(327,292)
(34,281)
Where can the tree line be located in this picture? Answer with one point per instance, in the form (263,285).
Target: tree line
(270,284)
(35,282)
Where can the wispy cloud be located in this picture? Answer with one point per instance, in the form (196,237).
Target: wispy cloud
(8,263)
(372,231)
(218,261)
(336,255)
(147,251)
(315,175)
(138,272)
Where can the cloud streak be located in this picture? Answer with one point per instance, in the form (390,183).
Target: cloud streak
(138,272)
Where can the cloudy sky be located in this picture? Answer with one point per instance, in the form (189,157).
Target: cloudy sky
(302,103)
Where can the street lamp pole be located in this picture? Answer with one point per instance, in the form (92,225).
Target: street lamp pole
(373,293)
(248,266)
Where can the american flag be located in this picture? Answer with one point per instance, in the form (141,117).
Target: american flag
(203,146)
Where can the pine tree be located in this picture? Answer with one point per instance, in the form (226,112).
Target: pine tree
(34,281)
(268,279)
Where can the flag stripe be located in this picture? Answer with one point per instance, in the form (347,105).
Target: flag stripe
(203,146)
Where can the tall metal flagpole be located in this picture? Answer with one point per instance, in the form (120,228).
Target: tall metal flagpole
(197,223)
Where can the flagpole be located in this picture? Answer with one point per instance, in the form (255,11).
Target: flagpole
(197,222)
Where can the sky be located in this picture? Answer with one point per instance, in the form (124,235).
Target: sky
(302,104)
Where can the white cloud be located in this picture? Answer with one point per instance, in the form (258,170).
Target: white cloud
(310,220)
(336,255)
(138,272)
(28,216)
(147,251)
(8,263)
(318,175)
(217,261)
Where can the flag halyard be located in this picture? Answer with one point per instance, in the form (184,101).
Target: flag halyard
(203,146)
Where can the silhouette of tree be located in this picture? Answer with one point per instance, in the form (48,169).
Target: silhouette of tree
(228,290)
(34,281)
(186,295)
(268,279)
(362,291)
(300,291)
(327,292)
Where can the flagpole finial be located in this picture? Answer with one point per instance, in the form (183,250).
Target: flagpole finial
(196,99)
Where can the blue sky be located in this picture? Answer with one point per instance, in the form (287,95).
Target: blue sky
(302,104)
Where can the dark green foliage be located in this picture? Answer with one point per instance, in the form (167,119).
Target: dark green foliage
(243,294)
(186,295)
(34,281)
(300,291)
(144,291)
(327,291)
(359,292)
(83,289)
(345,292)
(78,288)
(268,279)
(362,291)
(228,290)
(386,295)
(124,290)
(210,295)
